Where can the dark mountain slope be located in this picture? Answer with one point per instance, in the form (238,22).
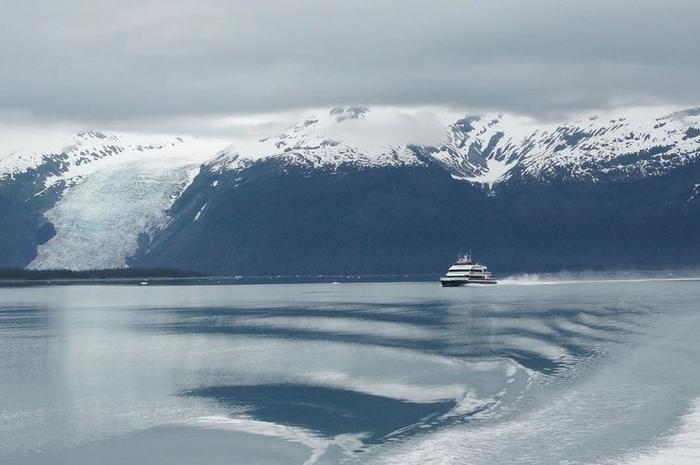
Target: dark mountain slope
(272,218)
(23,226)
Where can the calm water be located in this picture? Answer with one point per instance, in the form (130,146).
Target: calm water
(351,373)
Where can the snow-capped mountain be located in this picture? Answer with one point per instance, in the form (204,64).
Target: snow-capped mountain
(491,148)
(632,144)
(323,141)
(85,152)
(382,186)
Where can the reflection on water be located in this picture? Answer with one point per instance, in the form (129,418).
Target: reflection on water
(328,411)
(319,373)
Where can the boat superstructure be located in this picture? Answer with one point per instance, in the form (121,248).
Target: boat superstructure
(466,271)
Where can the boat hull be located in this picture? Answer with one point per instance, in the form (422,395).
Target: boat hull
(452,282)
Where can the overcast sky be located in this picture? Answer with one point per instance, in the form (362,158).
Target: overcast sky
(145,61)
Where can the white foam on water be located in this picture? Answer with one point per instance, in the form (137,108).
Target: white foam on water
(316,444)
(680,448)
(627,407)
(538,280)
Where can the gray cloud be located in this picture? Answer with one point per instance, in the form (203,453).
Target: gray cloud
(101,61)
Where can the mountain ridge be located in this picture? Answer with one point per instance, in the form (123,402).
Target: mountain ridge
(489,149)
(110,199)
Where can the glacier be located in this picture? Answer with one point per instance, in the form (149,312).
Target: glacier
(110,201)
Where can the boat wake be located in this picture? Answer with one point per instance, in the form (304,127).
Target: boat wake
(535,279)
(682,447)
(633,402)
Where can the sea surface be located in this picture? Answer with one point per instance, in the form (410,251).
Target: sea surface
(527,372)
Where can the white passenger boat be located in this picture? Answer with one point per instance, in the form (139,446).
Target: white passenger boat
(466,271)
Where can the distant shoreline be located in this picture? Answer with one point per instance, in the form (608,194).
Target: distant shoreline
(184,278)
(19,274)
(134,276)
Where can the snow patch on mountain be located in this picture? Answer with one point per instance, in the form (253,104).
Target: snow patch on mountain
(695,194)
(483,149)
(494,171)
(199,213)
